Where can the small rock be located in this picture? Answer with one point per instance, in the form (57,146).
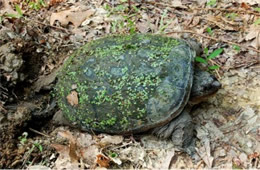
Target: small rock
(222,152)
(243,157)
(249,144)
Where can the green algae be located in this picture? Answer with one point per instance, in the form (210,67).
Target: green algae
(124,82)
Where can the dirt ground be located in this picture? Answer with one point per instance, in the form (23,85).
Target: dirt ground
(36,37)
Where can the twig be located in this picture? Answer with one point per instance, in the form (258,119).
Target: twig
(215,39)
(40,133)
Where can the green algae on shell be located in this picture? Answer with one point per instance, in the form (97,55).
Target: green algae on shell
(126,83)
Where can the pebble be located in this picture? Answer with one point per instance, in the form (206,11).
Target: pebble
(249,144)
(243,157)
(222,152)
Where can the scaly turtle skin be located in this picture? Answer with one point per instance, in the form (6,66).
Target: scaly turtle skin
(127,83)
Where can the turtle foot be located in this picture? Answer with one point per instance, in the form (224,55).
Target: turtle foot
(179,130)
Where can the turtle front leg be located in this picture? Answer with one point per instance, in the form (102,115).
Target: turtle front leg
(180,130)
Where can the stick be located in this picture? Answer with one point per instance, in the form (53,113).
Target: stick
(40,133)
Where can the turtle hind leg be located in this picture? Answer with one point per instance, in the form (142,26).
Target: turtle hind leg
(180,130)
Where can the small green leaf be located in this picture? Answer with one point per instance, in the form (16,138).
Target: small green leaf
(214,67)
(206,51)
(257,9)
(257,22)
(211,2)
(209,30)
(215,53)
(200,60)
(12,15)
(18,9)
(236,47)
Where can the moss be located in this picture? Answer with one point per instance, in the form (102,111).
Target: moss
(117,75)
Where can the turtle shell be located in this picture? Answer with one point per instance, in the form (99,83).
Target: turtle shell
(126,83)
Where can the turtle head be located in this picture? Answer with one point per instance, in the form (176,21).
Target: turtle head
(204,85)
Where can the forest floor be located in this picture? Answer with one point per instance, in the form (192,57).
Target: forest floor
(36,37)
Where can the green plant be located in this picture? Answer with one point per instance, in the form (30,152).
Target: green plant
(36,5)
(23,138)
(211,3)
(209,30)
(257,9)
(37,145)
(130,24)
(18,15)
(257,22)
(232,16)
(163,26)
(236,47)
(209,57)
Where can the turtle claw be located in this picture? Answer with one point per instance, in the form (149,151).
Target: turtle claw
(179,130)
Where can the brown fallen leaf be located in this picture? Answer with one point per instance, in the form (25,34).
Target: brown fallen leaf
(217,20)
(64,160)
(72,98)
(89,154)
(5,7)
(178,4)
(245,6)
(108,139)
(74,16)
(205,153)
(250,2)
(45,81)
(54,2)
(72,147)
(143,27)
(253,34)
(103,161)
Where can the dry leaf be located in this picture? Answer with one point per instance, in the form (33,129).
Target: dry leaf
(250,2)
(64,161)
(74,16)
(245,6)
(89,154)
(205,153)
(108,139)
(252,32)
(178,4)
(72,147)
(103,161)
(165,163)
(45,81)
(5,7)
(218,22)
(143,27)
(54,2)
(73,99)
(68,135)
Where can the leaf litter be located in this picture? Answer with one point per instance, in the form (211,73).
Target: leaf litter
(227,126)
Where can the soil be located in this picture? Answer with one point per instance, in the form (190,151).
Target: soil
(33,49)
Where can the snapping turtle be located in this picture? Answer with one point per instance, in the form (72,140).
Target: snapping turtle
(132,83)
